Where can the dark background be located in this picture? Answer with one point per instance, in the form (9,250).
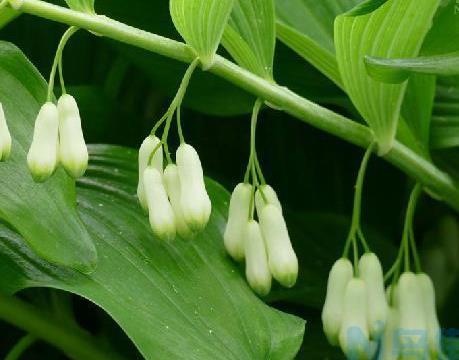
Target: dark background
(122,91)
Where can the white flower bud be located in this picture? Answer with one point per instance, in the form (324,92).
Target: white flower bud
(413,329)
(73,152)
(5,137)
(162,219)
(389,347)
(172,183)
(146,149)
(42,156)
(256,260)
(195,201)
(354,334)
(283,262)
(332,313)
(371,272)
(238,216)
(266,195)
(430,311)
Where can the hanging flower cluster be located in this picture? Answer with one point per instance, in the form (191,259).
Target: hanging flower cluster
(367,321)
(5,137)
(58,139)
(265,245)
(175,198)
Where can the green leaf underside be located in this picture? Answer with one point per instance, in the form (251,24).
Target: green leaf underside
(201,23)
(183,300)
(395,30)
(86,6)
(396,71)
(44,214)
(250,36)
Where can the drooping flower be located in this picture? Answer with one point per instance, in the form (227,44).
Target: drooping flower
(195,201)
(42,156)
(173,188)
(73,152)
(354,334)
(161,215)
(150,144)
(5,136)
(256,260)
(283,262)
(372,274)
(389,348)
(238,218)
(266,195)
(332,314)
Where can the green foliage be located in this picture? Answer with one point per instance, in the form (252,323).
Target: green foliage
(86,6)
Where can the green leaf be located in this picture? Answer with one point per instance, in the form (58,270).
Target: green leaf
(445,132)
(250,36)
(396,71)
(44,214)
(201,23)
(86,6)
(366,7)
(396,30)
(182,300)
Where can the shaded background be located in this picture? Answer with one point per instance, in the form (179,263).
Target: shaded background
(122,91)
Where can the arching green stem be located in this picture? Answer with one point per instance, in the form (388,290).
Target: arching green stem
(16,352)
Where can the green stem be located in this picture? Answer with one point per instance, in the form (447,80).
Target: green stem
(71,340)
(179,126)
(57,58)
(408,233)
(22,346)
(401,156)
(251,166)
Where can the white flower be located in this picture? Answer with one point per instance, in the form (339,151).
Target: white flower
(195,202)
(172,183)
(161,215)
(146,149)
(430,311)
(283,262)
(256,260)
(412,316)
(238,217)
(42,156)
(389,349)
(371,272)
(73,152)
(5,137)
(266,195)
(332,313)
(354,334)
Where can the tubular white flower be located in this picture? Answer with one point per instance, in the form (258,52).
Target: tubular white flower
(430,311)
(283,262)
(389,348)
(413,328)
(73,152)
(238,217)
(5,137)
(371,272)
(146,149)
(332,313)
(172,183)
(195,201)
(266,195)
(42,156)
(354,334)
(162,219)
(256,260)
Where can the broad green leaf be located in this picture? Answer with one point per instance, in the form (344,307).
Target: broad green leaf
(182,300)
(201,23)
(44,214)
(395,30)
(445,132)
(396,71)
(366,7)
(250,36)
(86,6)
